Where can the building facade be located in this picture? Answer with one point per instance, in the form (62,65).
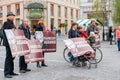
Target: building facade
(86,7)
(53,12)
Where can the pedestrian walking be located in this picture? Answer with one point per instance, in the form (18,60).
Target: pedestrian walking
(9,64)
(59,32)
(22,65)
(118,37)
(114,36)
(110,35)
(41,27)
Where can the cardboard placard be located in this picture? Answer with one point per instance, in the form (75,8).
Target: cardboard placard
(78,46)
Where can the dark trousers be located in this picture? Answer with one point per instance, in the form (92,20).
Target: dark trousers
(118,43)
(22,64)
(111,40)
(1,40)
(9,64)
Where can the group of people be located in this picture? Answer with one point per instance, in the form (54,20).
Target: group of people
(74,32)
(9,60)
(78,31)
(114,35)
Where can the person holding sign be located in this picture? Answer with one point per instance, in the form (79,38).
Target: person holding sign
(39,35)
(24,26)
(9,64)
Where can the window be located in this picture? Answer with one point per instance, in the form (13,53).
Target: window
(59,22)
(1,13)
(52,23)
(65,12)
(90,0)
(71,22)
(52,9)
(72,13)
(17,9)
(74,1)
(76,14)
(8,8)
(59,11)
(17,22)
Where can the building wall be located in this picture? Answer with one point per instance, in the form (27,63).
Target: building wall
(69,4)
(86,8)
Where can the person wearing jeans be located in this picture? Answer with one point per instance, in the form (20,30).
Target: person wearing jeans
(118,37)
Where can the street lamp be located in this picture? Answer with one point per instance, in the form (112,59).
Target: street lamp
(106,18)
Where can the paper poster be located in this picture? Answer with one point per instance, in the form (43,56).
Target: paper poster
(78,46)
(17,42)
(49,43)
(35,51)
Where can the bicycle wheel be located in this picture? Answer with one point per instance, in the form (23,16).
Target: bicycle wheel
(98,55)
(66,55)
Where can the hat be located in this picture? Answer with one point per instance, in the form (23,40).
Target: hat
(10,14)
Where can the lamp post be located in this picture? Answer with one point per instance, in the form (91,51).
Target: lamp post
(106,18)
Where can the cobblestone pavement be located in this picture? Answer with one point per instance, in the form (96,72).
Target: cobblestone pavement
(58,69)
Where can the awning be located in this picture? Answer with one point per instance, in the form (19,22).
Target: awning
(86,22)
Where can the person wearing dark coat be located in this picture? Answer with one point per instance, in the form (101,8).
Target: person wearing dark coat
(1,36)
(22,65)
(110,35)
(9,64)
(41,27)
(73,32)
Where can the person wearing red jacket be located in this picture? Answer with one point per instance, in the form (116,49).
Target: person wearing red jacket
(82,33)
(118,37)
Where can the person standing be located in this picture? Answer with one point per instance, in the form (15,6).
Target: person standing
(59,31)
(118,37)
(9,64)
(114,36)
(41,27)
(22,65)
(110,35)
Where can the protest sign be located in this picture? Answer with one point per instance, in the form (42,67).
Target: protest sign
(35,51)
(78,46)
(17,42)
(49,44)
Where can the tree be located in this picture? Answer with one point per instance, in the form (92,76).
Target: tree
(116,14)
(100,12)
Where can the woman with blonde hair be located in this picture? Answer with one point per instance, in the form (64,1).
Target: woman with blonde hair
(41,27)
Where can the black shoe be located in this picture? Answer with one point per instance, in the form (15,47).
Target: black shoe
(118,49)
(38,66)
(8,76)
(14,74)
(27,70)
(44,65)
(22,71)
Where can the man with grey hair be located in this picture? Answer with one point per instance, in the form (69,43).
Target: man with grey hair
(24,26)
